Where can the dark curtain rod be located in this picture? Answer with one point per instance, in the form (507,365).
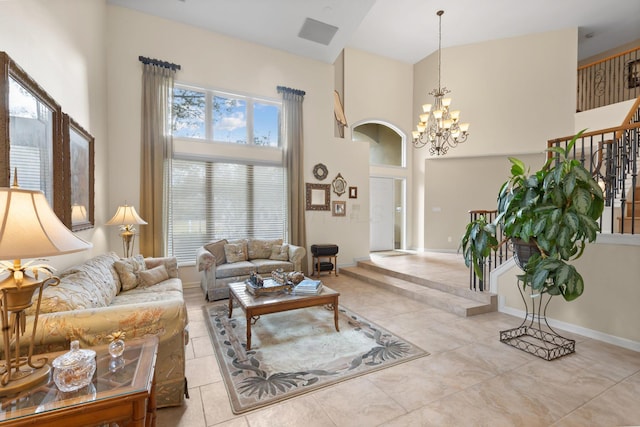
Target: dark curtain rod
(159,63)
(290,90)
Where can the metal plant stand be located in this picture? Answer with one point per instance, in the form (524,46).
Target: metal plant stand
(534,335)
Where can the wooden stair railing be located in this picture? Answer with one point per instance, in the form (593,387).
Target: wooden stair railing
(612,156)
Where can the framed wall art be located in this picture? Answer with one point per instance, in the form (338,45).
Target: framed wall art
(318,196)
(79,175)
(320,171)
(339,185)
(353,192)
(339,208)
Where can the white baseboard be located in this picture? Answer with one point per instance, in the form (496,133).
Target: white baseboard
(569,327)
(188,285)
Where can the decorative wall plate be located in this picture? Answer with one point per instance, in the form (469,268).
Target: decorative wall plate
(339,185)
(320,171)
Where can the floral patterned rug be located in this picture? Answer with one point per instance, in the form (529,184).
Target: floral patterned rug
(298,351)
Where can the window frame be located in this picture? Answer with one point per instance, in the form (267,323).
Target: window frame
(10,70)
(210,150)
(250,102)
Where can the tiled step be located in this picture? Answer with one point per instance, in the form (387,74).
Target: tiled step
(443,300)
(455,289)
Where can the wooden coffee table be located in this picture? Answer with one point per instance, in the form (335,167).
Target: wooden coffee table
(254,307)
(125,396)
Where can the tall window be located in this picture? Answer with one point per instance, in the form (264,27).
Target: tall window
(219,191)
(223,117)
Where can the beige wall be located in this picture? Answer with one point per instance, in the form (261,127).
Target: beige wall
(616,51)
(604,117)
(214,61)
(517,93)
(608,308)
(379,90)
(61,44)
(462,184)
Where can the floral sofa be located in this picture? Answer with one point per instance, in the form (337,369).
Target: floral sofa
(223,261)
(107,294)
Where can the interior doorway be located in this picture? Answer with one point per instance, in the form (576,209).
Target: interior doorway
(386,213)
(387,183)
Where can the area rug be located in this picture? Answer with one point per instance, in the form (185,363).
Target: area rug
(298,351)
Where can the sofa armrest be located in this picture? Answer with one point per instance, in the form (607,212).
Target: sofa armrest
(204,259)
(296,255)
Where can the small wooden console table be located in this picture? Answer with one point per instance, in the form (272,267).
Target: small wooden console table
(125,396)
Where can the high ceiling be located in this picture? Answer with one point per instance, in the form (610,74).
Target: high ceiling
(406,30)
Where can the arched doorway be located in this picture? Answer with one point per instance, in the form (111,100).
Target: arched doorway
(387,183)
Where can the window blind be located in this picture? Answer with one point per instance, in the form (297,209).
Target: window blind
(213,200)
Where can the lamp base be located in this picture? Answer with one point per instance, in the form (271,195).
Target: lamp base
(24,380)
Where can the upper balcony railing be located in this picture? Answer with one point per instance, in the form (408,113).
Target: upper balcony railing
(610,80)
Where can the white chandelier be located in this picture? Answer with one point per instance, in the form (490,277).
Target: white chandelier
(439,127)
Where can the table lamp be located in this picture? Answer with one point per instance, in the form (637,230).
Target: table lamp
(126,217)
(28,229)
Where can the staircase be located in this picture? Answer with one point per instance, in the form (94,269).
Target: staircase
(631,220)
(451,298)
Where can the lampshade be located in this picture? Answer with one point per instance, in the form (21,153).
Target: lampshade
(30,229)
(126,215)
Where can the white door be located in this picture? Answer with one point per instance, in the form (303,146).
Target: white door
(381,214)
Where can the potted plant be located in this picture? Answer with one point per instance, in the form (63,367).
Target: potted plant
(553,211)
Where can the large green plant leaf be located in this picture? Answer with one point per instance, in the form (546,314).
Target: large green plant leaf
(569,183)
(571,220)
(582,174)
(517,166)
(539,226)
(552,229)
(564,237)
(581,200)
(563,274)
(574,288)
(539,278)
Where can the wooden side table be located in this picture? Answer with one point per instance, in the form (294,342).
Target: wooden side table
(317,264)
(125,396)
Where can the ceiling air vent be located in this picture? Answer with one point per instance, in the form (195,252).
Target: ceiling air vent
(317,31)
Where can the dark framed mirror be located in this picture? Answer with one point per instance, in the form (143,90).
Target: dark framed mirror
(78,175)
(318,197)
(30,135)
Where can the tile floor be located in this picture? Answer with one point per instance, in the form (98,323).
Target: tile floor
(470,378)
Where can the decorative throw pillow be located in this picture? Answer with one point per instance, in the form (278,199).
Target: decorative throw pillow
(216,247)
(153,276)
(170,263)
(261,248)
(128,270)
(280,252)
(235,252)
